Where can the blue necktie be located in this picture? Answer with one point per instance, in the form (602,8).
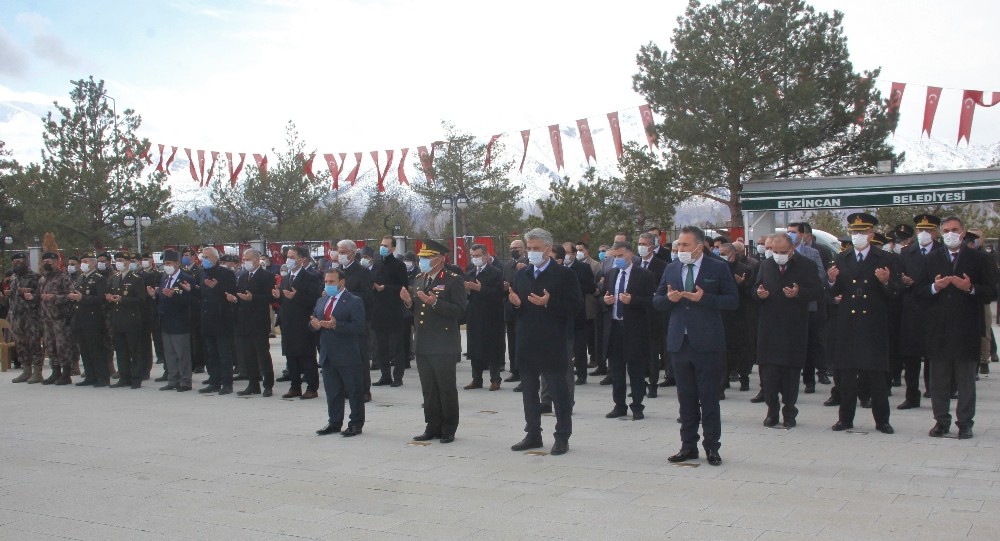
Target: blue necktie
(619,305)
(537,272)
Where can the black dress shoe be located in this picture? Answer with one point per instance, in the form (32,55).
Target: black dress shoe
(638,415)
(770,421)
(559,448)
(447,438)
(250,390)
(328,429)
(866,403)
(927,394)
(426,436)
(906,405)
(722,395)
(517,388)
(225,390)
(964,432)
(282,379)
(84,383)
(580,381)
(713,458)
(744,384)
(169,387)
(162,378)
(683,455)
(810,389)
(267,392)
(351,431)
(651,393)
(831,401)
(599,372)
(397,383)
(606,380)
(758,399)
(121,383)
(840,425)
(513,377)
(183,388)
(823,378)
(382,382)
(885,428)
(209,389)
(616,413)
(545,407)
(897,382)
(136,384)
(529,442)
(939,430)
(789,423)
(668,382)
(199,370)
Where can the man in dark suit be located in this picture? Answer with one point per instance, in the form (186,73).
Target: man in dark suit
(358,280)
(339,318)
(253,323)
(387,314)
(545,297)
(737,323)
(628,296)
(659,251)
(217,326)
(173,309)
(785,286)
(694,290)
(484,319)
(957,282)
(657,319)
(866,279)
(438,301)
(585,275)
(297,295)
(517,262)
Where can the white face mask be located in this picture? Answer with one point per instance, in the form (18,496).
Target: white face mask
(580,256)
(365,262)
(860,241)
(684,257)
(102,265)
(146,264)
(343,260)
(409,266)
(248,266)
(781,259)
(924,238)
(71,269)
(335,265)
(120,265)
(477,261)
(536,258)
(768,254)
(169,269)
(760,249)
(952,239)
(133,266)
(643,251)
(84,267)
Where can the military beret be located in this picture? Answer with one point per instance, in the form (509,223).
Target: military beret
(50,255)
(73,258)
(969,237)
(18,255)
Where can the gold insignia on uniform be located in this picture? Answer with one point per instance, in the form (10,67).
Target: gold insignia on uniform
(859,221)
(924,221)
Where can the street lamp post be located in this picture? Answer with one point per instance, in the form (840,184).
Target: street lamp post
(452,202)
(143,221)
(6,241)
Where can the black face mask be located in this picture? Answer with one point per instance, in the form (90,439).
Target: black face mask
(47,267)
(515,254)
(20,267)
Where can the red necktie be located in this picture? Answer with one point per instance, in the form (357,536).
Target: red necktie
(329,308)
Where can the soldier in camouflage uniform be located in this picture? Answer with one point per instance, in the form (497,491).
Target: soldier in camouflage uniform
(127,298)
(73,270)
(88,322)
(54,288)
(25,321)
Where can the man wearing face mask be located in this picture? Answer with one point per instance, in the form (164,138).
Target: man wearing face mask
(410,260)
(73,270)
(150,278)
(25,319)
(761,251)
(190,266)
(912,321)
(339,319)
(126,299)
(736,323)
(588,287)
(253,323)
(815,358)
(54,287)
(438,301)
(87,322)
(217,326)
(173,306)
(106,266)
(591,302)
(387,317)
(517,262)
(484,319)
(957,282)
(866,279)
(297,294)
(657,319)
(358,280)
(785,285)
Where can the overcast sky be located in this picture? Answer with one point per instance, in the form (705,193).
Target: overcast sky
(372,75)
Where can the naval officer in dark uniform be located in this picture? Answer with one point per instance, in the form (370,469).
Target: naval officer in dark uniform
(438,301)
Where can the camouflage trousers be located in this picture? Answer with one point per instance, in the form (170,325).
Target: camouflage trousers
(28,341)
(58,343)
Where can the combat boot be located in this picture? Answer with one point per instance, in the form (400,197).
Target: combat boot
(64,378)
(56,373)
(25,374)
(36,376)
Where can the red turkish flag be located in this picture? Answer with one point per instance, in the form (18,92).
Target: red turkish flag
(211,169)
(159,164)
(128,149)
(930,108)
(261,161)
(235,173)
(379,172)
(331,162)
(170,160)
(586,139)
(981,103)
(307,164)
(647,125)
(426,163)
(489,150)
(144,155)
(861,106)
(556,138)
(353,176)
(201,167)
(194,172)
(895,99)
(970,99)
(400,173)
(616,133)
(525,134)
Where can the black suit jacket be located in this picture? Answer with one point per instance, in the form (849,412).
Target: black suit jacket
(297,337)
(543,331)
(358,280)
(784,322)
(584,275)
(216,310)
(387,307)
(635,315)
(253,316)
(484,317)
(863,313)
(662,254)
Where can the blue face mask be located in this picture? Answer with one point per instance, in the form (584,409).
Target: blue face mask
(331,290)
(425,265)
(715,251)
(794,236)
(601,256)
(383,251)
(185,261)
(206,263)
(620,263)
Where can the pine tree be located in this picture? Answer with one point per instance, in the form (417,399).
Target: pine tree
(590,210)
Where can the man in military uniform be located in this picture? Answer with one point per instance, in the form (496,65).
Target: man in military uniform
(87,322)
(438,300)
(190,266)
(126,300)
(150,278)
(73,269)
(25,320)
(866,279)
(53,288)
(105,266)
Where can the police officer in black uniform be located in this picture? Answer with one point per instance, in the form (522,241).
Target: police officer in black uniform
(88,322)
(127,300)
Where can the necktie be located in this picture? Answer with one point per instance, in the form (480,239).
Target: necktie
(537,272)
(954,260)
(619,305)
(645,264)
(689,280)
(782,270)
(923,251)
(861,258)
(170,282)
(329,307)
(250,277)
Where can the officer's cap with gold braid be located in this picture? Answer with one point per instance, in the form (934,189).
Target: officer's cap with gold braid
(860,221)
(432,248)
(903,231)
(879,239)
(926,221)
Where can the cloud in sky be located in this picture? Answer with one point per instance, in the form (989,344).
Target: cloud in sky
(13,58)
(52,48)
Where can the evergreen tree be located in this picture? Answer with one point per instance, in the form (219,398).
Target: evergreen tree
(753,87)
(646,189)
(590,210)
(384,210)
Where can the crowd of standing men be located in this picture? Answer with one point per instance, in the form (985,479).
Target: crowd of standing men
(701,313)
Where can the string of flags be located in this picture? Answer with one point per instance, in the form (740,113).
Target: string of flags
(337,163)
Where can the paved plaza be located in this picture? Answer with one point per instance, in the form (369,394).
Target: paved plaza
(110,464)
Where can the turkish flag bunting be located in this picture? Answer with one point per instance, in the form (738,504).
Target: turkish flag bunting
(981,103)
(861,105)
(235,173)
(895,99)
(261,161)
(307,164)
(144,155)
(489,151)
(930,108)
(586,139)
(194,172)
(331,162)
(400,173)
(211,168)
(616,133)
(353,176)
(128,149)
(525,134)
(170,160)
(556,137)
(201,167)
(159,164)
(427,163)
(970,99)
(647,125)
(379,172)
